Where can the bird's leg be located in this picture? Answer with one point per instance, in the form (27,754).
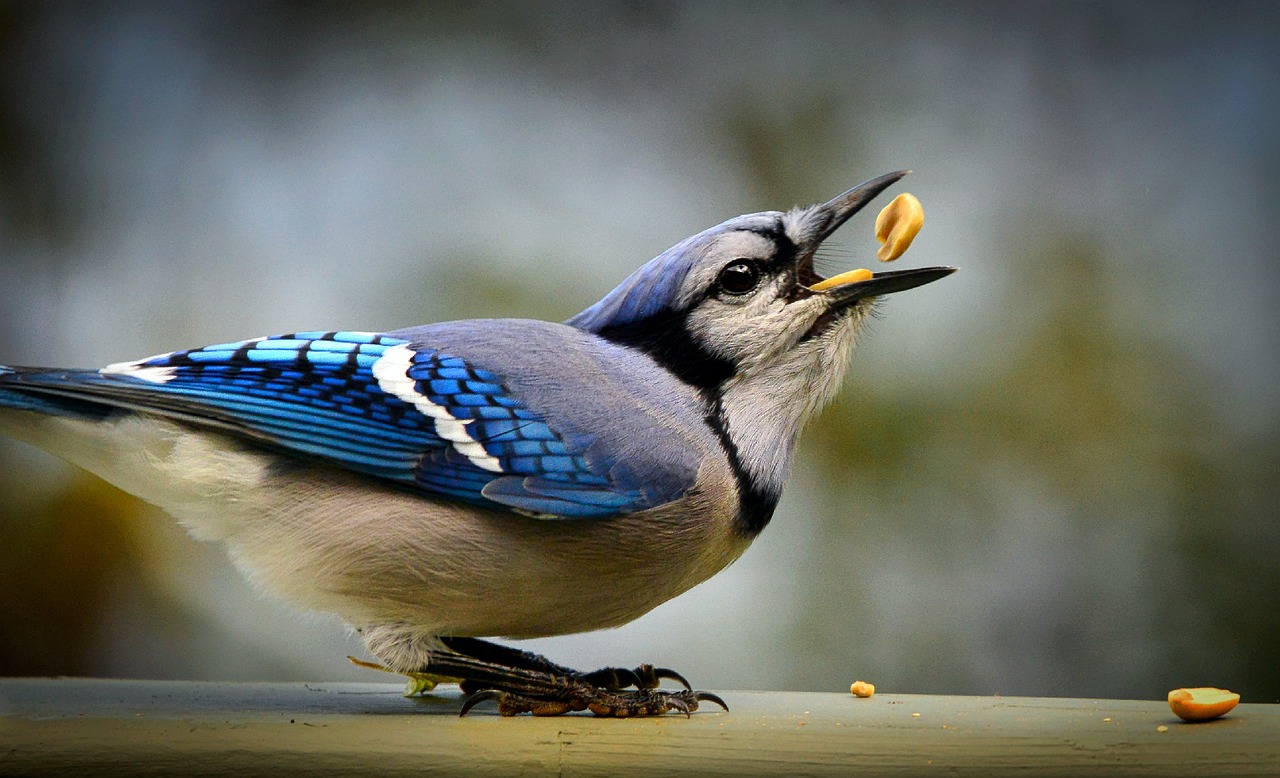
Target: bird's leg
(542,693)
(612,678)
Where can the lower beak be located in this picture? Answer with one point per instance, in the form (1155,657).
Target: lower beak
(885,283)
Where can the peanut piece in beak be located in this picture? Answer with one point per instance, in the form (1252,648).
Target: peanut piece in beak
(848,277)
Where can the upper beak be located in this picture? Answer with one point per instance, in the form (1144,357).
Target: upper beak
(834,212)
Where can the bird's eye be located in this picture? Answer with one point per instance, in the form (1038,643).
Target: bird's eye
(739,277)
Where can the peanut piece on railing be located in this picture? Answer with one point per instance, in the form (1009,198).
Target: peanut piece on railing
(1202,703)
(897,225)
(862,689)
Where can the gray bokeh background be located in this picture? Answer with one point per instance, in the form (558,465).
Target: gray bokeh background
(1053,473)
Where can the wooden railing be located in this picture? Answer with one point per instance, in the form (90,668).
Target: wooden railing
(80,727)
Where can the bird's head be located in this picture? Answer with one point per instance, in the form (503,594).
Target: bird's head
(733,312)
(737,300)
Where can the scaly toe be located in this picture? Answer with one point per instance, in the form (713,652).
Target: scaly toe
(514,704)
(650,703)
(643,677)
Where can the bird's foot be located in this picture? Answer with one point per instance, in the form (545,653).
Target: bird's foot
(601,702)
(612,678)
(524,682)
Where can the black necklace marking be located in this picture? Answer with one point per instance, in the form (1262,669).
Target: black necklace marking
(666,338)
(756,503)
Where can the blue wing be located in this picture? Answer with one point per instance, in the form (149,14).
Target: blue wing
(414,416)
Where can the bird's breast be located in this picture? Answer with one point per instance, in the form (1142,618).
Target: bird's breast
(376,555)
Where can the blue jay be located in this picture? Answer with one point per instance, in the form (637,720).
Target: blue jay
(439,484)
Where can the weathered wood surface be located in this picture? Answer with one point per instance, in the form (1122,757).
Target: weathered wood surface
(81,727)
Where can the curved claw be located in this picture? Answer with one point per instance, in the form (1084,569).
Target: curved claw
(675,703)
(484,696)
(670,675)
(709,697)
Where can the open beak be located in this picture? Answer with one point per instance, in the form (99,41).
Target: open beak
(854,285)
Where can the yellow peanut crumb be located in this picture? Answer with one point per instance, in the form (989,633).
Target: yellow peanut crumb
(862,689)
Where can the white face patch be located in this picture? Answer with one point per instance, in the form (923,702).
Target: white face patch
(392,372)
(756,328)
(770,399)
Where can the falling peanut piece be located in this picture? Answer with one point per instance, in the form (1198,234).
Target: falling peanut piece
(862,689)
(1202,703)
(897,225)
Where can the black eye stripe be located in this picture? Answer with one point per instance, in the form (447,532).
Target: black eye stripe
(784,252)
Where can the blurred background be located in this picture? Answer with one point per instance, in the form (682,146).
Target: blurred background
(1054,473)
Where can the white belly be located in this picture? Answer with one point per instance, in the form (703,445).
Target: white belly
(400,567)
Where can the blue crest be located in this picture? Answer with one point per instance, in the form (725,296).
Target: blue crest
(653,288)
(649,290)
